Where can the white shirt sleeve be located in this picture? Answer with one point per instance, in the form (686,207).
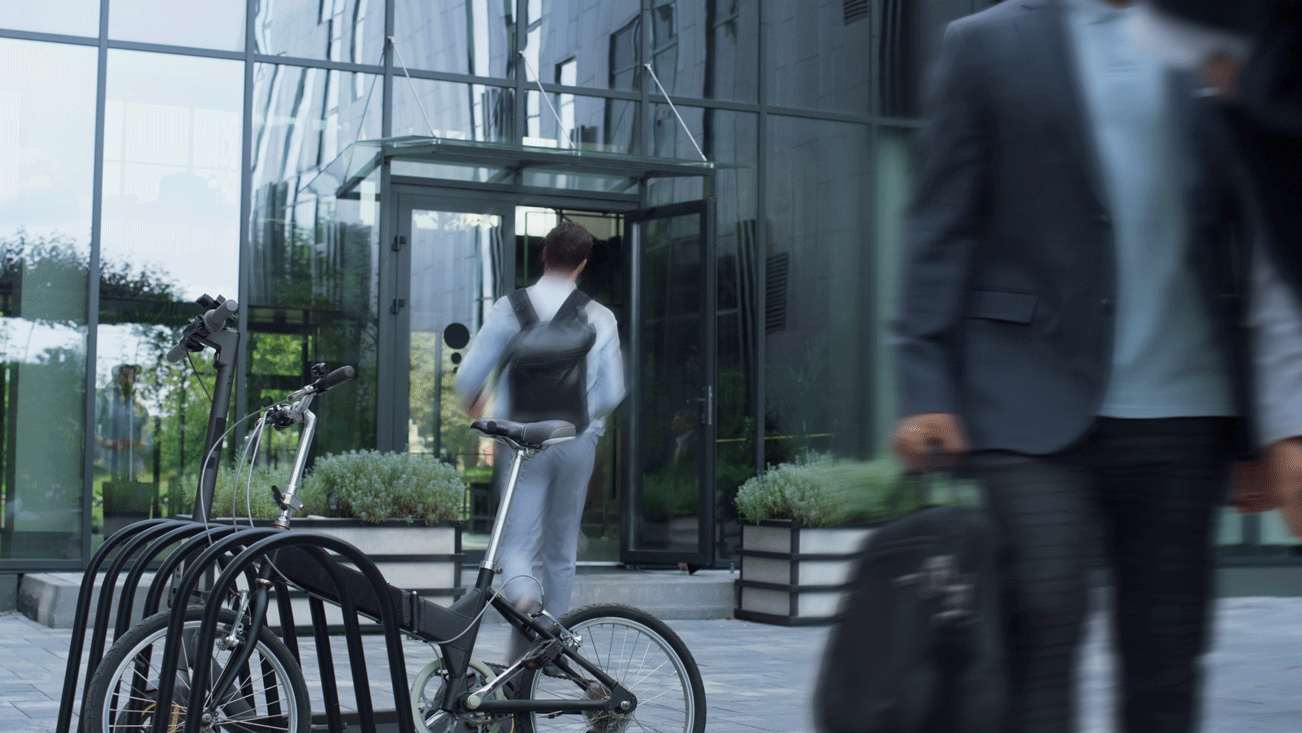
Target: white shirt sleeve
(1275,320)
(605,367)
(500,326)
(1179,42)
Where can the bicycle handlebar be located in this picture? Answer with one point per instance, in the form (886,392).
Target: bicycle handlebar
(335,378)
(329,381)
(210,322)
(215,319)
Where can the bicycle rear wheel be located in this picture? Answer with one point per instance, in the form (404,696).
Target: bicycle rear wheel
(641,653)
(269,695)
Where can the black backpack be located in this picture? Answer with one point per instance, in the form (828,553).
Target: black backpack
(546,363)
(918,645)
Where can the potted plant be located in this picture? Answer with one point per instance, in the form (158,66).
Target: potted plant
(803,523)
(403,510)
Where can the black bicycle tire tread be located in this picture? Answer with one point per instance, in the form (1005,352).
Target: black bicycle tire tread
(144,628)
(632,613)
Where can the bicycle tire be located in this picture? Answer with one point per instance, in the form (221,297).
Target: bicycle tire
(633,647)
(277,700)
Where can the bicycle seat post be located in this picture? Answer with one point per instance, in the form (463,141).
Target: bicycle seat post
(487,568)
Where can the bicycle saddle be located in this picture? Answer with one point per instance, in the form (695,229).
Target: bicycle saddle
(534,435)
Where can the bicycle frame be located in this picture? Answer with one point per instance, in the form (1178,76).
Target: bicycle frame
(455,628)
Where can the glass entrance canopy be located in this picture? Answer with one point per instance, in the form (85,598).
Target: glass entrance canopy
(483,162)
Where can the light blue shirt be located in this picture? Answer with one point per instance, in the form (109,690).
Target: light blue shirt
(604,367)
(1166,362)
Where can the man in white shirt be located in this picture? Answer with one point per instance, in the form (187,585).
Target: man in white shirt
(548,505)
(1248,36)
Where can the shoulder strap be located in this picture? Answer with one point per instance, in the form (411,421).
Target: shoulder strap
(523,308)
(572,306)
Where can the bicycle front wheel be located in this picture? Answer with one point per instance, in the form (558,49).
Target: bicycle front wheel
(643,655)
(269,694)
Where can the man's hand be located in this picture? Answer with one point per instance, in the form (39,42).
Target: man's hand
(1248,492)
(918,437)
(475,408)
(1283,479)
(1222,76)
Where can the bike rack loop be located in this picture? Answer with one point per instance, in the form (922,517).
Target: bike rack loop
(178,528)
(316,544)
(79,623)
(127,598)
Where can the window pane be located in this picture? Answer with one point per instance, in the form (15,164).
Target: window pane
(46,175)
(69,17)
(816,57)
(817,319)
(337,30)
(726,137)
(170,233)
(460,111)
(313,296)
(707,48)
(460,36)
(209,24)
(598,124)
(603,38)
(303,118)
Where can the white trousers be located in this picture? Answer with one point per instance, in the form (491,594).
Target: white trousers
(543,524)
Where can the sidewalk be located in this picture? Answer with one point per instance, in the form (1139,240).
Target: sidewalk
(758,677)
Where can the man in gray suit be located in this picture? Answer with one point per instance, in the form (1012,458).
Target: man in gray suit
(1071,315)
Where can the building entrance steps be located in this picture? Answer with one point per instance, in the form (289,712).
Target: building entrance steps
(51,598)
(666,594)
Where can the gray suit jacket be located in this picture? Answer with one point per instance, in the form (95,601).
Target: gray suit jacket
(1008,275)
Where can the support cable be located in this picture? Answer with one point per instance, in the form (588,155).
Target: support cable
(690,136)
(547,98)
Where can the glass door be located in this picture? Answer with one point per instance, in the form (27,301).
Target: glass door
(669,512)
(450,269)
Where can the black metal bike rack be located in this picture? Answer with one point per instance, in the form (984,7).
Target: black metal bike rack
(202,550)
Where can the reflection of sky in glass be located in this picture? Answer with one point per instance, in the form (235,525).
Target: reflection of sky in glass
(172,168)
(207,24)
(47,138)
(69,17)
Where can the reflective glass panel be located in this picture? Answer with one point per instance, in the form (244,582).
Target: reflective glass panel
(597,124)
(336,30)
(47,158)
(707,48)
(315,272)
(671,370)
(303,118)
(460,36)
(210,24)
(816,57)
(817,323)
(604,39)
(68,17)
(170,233)
(725,137)
(452,110)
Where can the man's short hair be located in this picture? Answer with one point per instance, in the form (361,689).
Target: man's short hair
(567,246)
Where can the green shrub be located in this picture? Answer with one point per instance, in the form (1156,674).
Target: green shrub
(374,486)
(230,501)
(818,490)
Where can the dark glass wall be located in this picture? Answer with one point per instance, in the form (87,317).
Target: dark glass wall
(210,139)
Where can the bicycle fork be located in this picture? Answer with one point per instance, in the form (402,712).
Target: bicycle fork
(241,645)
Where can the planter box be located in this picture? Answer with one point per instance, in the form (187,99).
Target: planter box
(794,575)
(412,556)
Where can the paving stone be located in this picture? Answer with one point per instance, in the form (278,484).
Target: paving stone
(759,678)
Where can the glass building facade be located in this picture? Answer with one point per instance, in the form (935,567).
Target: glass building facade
(153,151)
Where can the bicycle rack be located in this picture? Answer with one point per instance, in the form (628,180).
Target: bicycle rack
(203,549)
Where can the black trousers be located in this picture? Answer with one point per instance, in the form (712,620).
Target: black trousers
(1143,493)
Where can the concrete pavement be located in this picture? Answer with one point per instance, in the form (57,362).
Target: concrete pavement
(758,678)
